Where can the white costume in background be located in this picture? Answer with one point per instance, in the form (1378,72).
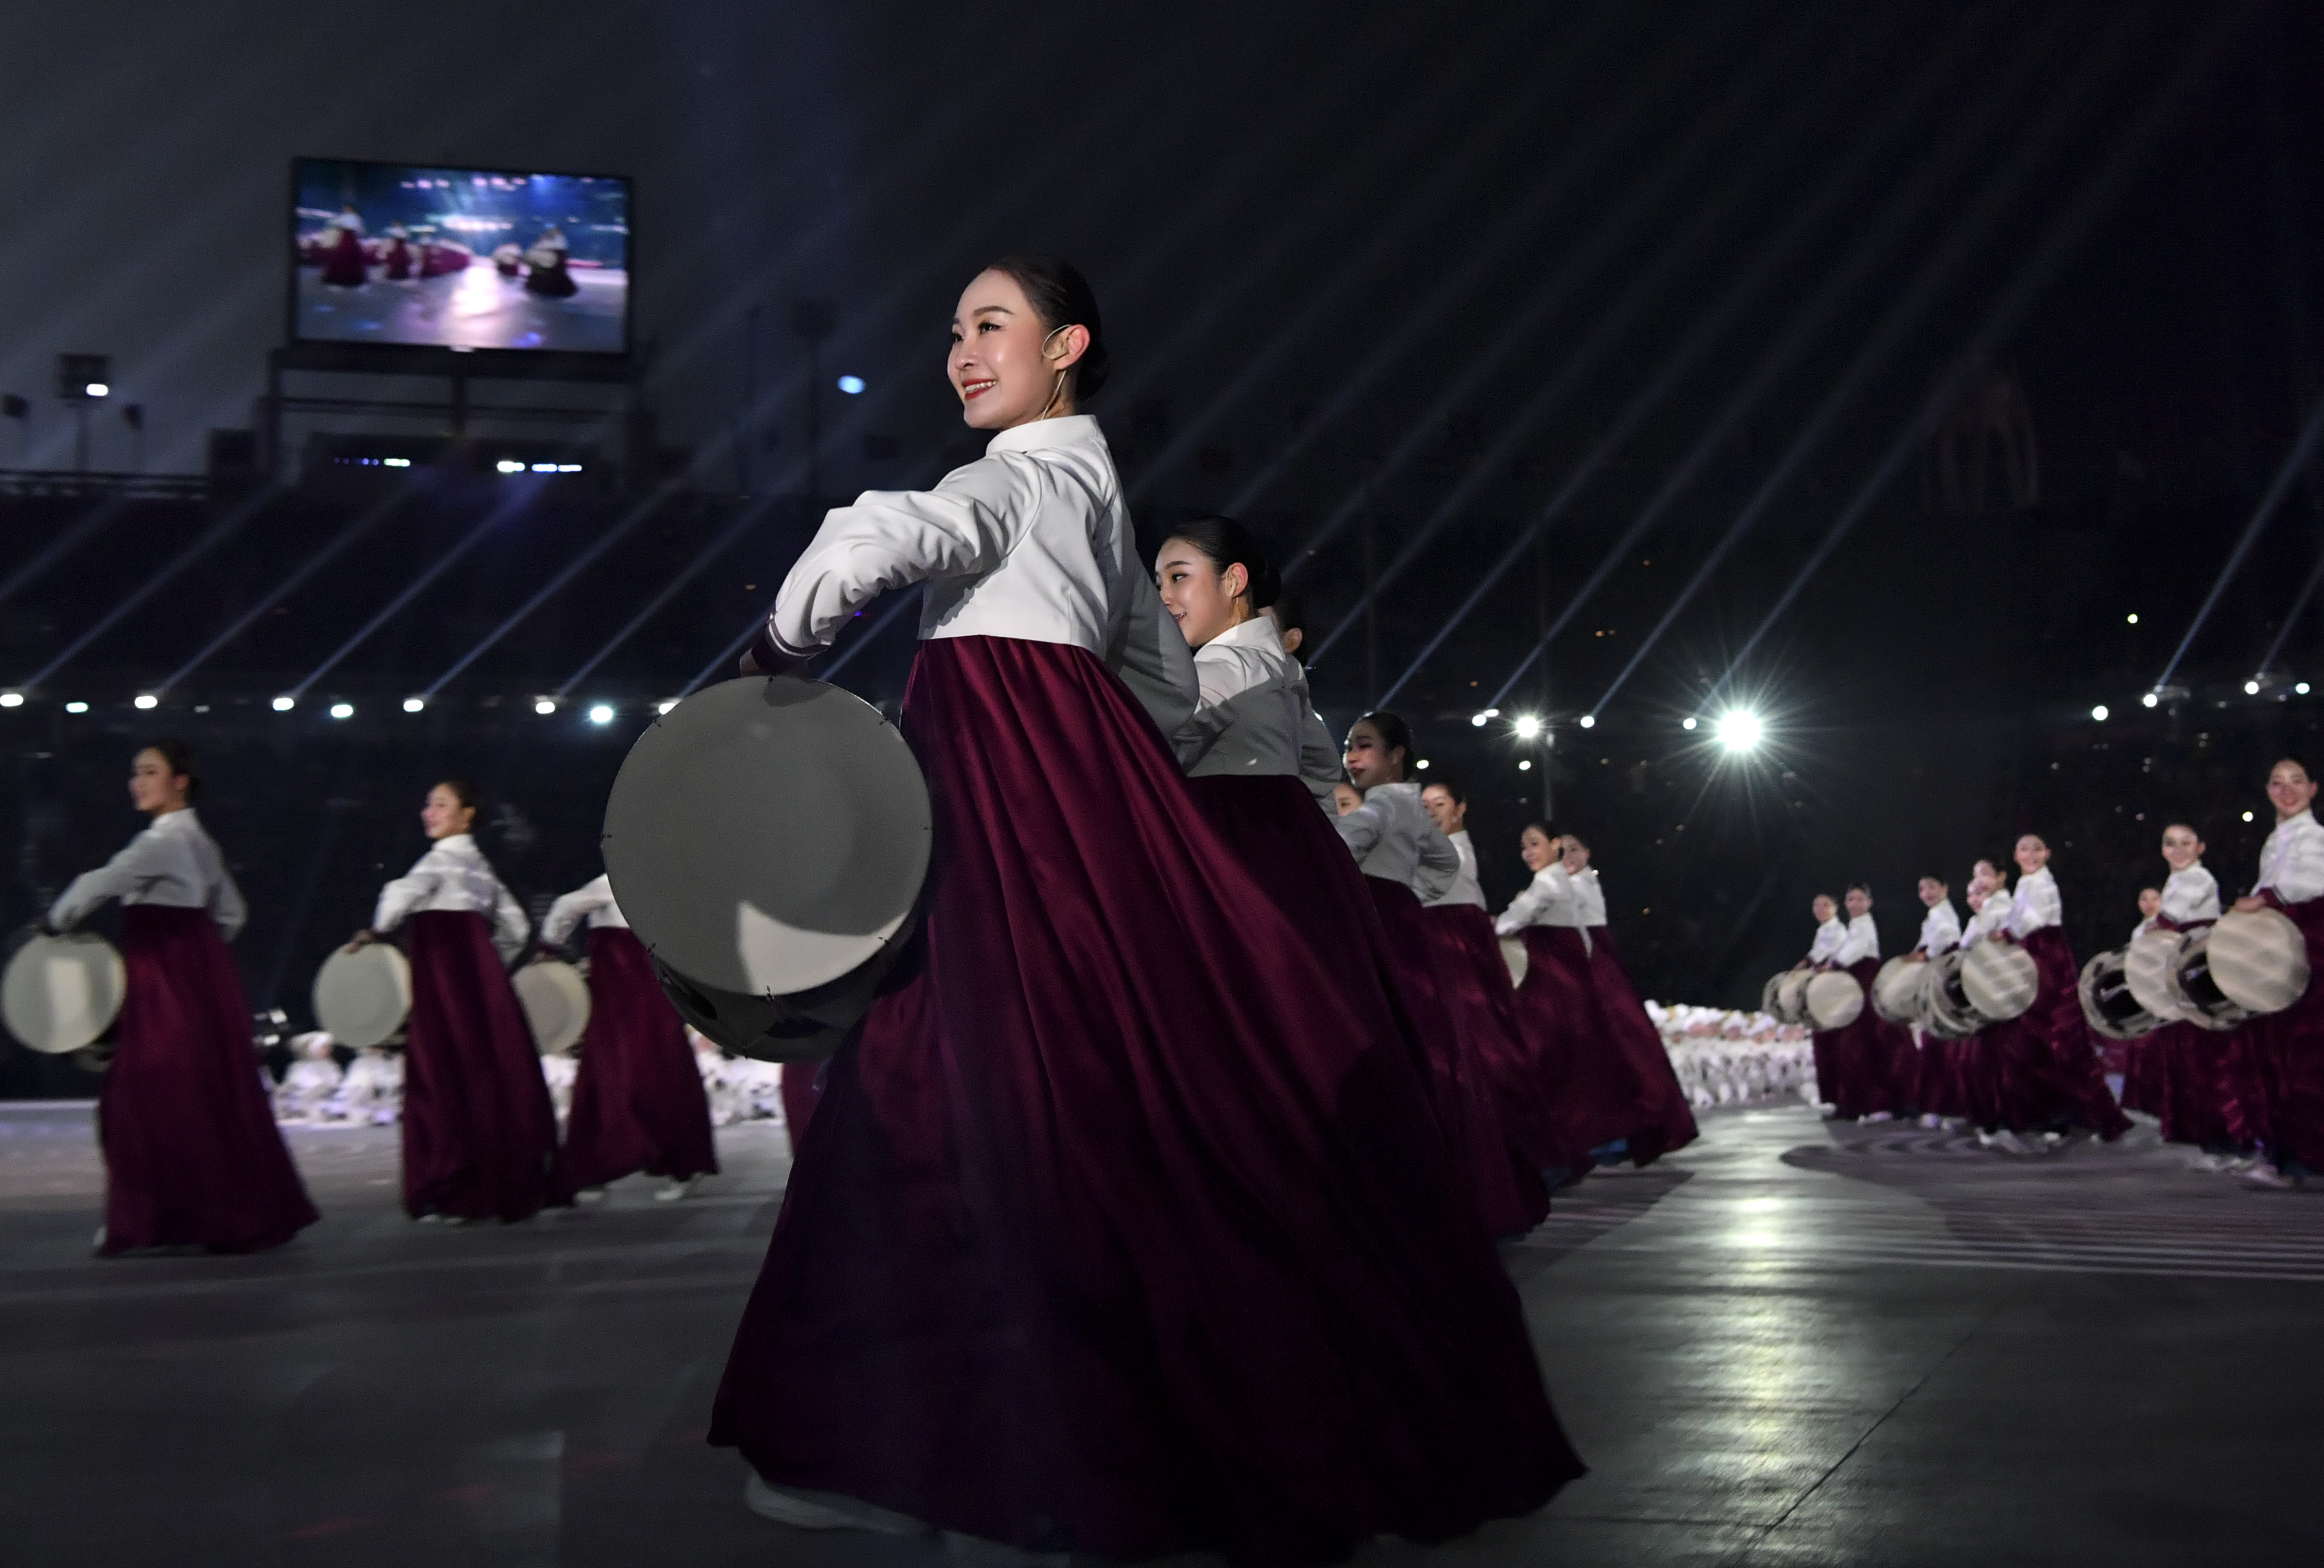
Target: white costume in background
(1252,706)
(454,876)
(1030,541)
(2191,895)
(1465,888)
(2292,860)
(1988,919)
(1940,928)
(173,863)
(1862,941)
(592,901)
(1553,897)
(2035,904)
(1829,938)
(1394,838)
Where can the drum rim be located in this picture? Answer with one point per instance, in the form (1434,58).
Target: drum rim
(567,978)
(397,961)
(93,943)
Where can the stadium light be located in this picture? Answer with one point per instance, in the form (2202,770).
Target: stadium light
(603,715)
(1527,726)
(545,706)
(2149,700)
(850,384)
(1525,765)
(145,701)
(98,389)
(412,704)
(663,707)
(2131,618)
(11,699)
(1740,730)
(1686,723)
(1589,721)
(2251,688)
(2302,688)
(75,708)
(284,705)
(1421,763)
(2099,713)
(343,710)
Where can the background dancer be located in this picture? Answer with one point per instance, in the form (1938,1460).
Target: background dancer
(1406,861)
(1936,1089)
(1876,1055)
(479,1130)
(1665,1121)
(2181,1066)
(638,1099)
(192,1157)
(1831,937)
(2061,1075)
(2275,1064)
(1116,1232)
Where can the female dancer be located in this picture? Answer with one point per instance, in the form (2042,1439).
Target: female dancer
(1485,1002)
(1667,1122)
(1831,937)
(1935,1088)
(2057,1070)
(2274,1072)
(192,1157)
(1874,1055)
(638,1101)
(1118,1232)
(2178,1067)
(1405,862)
(479,1131)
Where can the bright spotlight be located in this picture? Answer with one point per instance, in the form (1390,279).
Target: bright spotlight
(508,466)
(1740,730)
(98,389)
(602,715)
(2099,713)
(412,704)
(2302,688)
(1589,721)
(1526,766)
(145,700)
(1686,723)
(11,699)
(1479,721)
(2247,816)
(663,707)
(75,708)
(545,706)
(2150,699)
(2131,617)
(2251,688)
(343,710)
(850,384)
(1421,763)
(1527,726)
(284,705)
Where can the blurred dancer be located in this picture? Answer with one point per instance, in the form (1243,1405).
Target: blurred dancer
(1937,1087)
(397,258)
(638,1102)
(2274,1072)
(1118,1232)
(546,273)
(1666,1122)
(1407,861)
(479,1129)
(192,1156)
(2059,1076)
(1831,937)
(345,263)
(2184,1064)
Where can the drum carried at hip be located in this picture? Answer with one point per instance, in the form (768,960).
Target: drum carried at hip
(1829,999)
(1964,991)
(61,993)
(767,840)
(2247,964)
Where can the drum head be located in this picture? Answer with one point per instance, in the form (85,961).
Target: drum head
(2259,960)
(768,836)
(2147,964)
(1514,955)
(2107,1005)
(1897,990)
(362,997)
(1791,996)
(1999,979)
(1771,994)
(60,992)
(1945,1012)
(1834,1000)
(556,1002)
(2193,994)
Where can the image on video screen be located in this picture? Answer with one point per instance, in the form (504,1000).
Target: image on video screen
(461,258)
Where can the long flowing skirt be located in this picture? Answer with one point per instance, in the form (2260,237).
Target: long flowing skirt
(1115,1232)
(1870,1061)
(1937,1079)
(2272,1070)
(1459,1085)
(1485,1009)
(479,1130)
(2187,1060)
(1274,829)
(2040,1070)
(638,1101)
(1668,1122)
(192,1157)
(1599,1098)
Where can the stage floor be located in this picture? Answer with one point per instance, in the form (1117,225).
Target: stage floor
(1789,1344)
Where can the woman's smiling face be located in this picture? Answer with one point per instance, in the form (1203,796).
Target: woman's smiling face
(1007,367)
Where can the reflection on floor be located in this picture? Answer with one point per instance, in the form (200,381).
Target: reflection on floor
(473,308)
(1791,1343)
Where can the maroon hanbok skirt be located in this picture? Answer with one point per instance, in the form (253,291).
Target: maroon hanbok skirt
(346,262)
(1277,832)
(2145,1064)
(1667,1121)
(801,1089)
(2272,1076)
(2040,1068)
(1485,1009)
(479,1129)
(638,1101)
(1117,1231)
(1458,1084)
(192,1157)
(1937,1088)
(1870,1061)
(1599,1098)
(2188,1059)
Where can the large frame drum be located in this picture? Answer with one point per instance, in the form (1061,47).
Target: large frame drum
(2000,980)
(1897,990)
(556,1002)
(767,840)
(1834,1000)
(1946,1011)
(2108,1003)
(1785,995)
(362,997)
(2248,964)
(60,992)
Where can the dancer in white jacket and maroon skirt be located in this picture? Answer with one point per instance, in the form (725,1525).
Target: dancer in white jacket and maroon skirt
(192,1157)
(2273,1076)
(638,1099)
(479,1130)
(2050,1072)
(1116,1232)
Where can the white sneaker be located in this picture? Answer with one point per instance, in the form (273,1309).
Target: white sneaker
(1933,1121)
(802,1509)
(596,1195)
(2268,1176)
(2008,1142)
(670,1191)
(1882,1116)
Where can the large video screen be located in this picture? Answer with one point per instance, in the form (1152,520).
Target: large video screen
(414,255)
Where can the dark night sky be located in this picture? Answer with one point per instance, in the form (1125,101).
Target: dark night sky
(1406,268)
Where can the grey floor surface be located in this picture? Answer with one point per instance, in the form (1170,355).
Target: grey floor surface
(1791,1343)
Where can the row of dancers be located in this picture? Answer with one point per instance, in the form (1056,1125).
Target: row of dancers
(2250,1099)
(193,1157)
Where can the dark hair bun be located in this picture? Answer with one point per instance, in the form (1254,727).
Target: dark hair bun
(1062,297)
(1223,542)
